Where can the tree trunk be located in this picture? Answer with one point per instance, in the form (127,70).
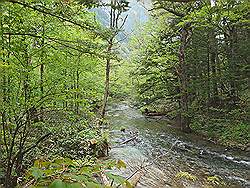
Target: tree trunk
(106,91)
(115,13)
(184,120)
(233,62)
(77,87)
(213,63)
(42,67)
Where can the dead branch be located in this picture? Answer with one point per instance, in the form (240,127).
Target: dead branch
(128,140)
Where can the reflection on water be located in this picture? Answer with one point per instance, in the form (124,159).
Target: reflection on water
(189,153)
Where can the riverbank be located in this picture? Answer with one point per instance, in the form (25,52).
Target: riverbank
(230,134)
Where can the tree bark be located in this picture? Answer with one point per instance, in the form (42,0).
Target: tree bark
(107,82)
(213,63)
(183,115)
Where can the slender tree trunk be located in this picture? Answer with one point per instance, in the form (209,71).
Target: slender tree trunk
(107,80)
(106,90)
(208,71)
(42,67)
(114,17)
(213,65)
(208,81)
(8,182)
(184,120)
(212,45)
(233,62)
(77,86)
(213,57)
(65,103)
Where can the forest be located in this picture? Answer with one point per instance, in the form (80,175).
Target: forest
(124,93)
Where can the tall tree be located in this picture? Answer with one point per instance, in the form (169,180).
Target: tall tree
(116,24)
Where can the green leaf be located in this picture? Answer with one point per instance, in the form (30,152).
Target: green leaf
(93,185)
(74,185)
(57,184)
(37,173)
(120,164)
(116,178)
(60,184)
(128,184)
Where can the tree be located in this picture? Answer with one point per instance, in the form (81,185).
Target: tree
(115,24)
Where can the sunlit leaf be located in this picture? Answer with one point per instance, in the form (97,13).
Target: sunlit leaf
(120,164)
(93,185)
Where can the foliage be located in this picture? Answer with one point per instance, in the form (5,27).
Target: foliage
(64,172)
(121,82)
(215,180)
(51,82)
(154,58)
(228,132)
(190,60)
(202,78)
(236,132)
(186,175)
(74,140)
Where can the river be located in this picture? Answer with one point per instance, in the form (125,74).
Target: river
(172,158)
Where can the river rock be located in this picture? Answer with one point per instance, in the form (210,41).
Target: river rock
(247,149)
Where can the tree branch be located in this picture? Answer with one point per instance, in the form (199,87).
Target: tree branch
(85,25)
(37,142)
(62,42)
(169,10)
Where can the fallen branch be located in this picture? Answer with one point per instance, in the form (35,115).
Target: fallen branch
(104,179)
(31,182)
(129,140)
(136,177)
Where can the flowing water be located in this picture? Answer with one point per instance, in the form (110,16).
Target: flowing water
(164,152)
